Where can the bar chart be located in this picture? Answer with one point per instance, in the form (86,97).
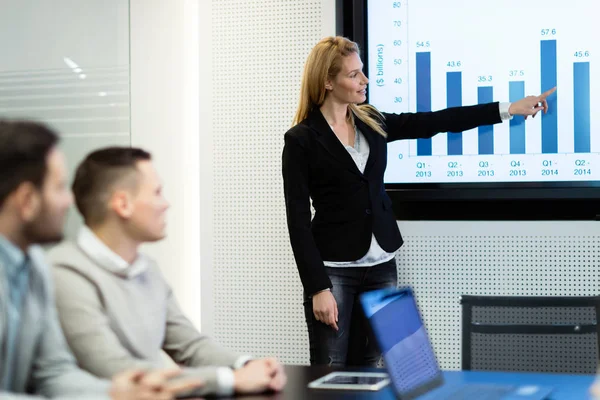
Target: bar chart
(428,55)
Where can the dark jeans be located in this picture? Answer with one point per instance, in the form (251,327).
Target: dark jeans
(351,345)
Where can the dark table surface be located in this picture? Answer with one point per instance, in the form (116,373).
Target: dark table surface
(566,387)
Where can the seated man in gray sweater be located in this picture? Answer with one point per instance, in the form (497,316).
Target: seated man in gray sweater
(115,307)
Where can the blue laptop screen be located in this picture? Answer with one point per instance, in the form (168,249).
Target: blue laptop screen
(397,326)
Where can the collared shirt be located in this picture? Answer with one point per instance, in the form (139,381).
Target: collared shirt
(111,261)
(108,259)
(14,265)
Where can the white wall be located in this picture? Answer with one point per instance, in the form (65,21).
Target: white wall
(252,297)
(35,82)
(86,101)
(165,120)
(36,35)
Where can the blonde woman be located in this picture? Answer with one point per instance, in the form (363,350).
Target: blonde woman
(335,154)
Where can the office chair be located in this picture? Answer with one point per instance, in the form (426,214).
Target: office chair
(526,333)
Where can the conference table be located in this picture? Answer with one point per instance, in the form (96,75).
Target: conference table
(566,387)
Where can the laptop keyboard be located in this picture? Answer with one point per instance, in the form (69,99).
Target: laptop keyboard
(480,392)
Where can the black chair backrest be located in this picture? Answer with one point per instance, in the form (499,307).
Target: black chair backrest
(526,333)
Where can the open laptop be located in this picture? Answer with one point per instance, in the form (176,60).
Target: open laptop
(412,366)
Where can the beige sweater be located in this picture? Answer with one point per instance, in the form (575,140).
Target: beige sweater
(114,322)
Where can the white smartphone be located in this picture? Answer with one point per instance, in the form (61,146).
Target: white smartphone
(351,381)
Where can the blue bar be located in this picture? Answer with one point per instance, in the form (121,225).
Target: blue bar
(485,94)
(549,120)
(516,91)
(423,96)
(581,106)
(454,99)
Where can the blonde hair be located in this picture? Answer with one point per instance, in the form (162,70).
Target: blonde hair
(323,62)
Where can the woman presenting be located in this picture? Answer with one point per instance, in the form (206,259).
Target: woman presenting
(335,155)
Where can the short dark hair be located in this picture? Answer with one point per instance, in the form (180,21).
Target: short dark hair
(24,149)
(96,176)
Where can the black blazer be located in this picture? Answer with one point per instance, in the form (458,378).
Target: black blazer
(349,205)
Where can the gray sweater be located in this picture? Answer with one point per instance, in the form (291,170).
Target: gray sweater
(117,320)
